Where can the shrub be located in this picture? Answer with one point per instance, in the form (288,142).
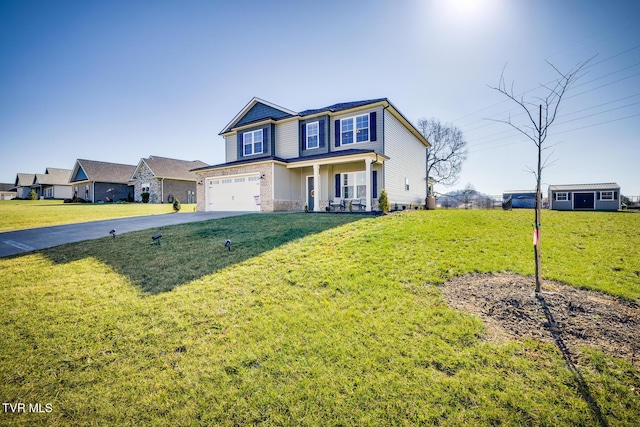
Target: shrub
(145,197)
(383,201)
(33,195)
(176,205)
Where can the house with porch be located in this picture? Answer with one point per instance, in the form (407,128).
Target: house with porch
(53,184)
(96,181)
(327,158)
(585,197)
(165,179)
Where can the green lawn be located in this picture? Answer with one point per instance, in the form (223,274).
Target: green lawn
(309,320)
(21,214)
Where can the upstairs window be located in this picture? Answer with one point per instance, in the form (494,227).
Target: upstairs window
(354,129)
(252,142)
(313,135)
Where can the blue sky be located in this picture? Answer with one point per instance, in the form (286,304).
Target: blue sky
(121,80)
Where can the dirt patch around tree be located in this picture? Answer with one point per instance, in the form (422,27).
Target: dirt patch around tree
(565,316)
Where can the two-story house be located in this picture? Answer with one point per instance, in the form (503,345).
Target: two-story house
(340,155)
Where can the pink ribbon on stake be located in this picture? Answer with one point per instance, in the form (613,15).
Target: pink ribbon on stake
(536,236)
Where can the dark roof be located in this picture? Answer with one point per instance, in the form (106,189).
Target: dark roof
(103,171)
(295,160)
(342,106)
(587,187)
(330,109)
(7,187)
(242,162)
(163,167)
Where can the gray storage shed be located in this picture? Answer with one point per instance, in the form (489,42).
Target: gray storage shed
(585,197)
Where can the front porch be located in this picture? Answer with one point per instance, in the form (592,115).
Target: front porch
(340,183)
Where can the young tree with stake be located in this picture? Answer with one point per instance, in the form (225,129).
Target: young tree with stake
(537,130)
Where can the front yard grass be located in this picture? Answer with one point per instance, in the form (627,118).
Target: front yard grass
(309,320)
(22,214)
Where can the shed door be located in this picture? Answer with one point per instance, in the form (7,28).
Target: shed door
(584,201)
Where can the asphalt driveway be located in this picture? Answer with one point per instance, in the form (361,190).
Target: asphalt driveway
(16,242)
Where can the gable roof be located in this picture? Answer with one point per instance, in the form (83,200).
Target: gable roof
(257,110)
(342,106)
(25,179)
(53,176)
(96,171)
(585,187)
(251,114)
(164,167)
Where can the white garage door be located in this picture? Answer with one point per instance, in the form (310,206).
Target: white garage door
(233,193)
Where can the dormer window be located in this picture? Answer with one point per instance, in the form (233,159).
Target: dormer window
(252,142)
(313,135)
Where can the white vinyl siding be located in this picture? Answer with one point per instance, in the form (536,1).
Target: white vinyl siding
(231,148)
(406,164)
(287,140)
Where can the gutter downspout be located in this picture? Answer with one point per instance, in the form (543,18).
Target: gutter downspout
(161,190)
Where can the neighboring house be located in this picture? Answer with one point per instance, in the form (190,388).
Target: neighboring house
(7,191)
(96,181)
(23,184)
(282,160)
(521,198)
(165,179)
(599,197)
(53,184)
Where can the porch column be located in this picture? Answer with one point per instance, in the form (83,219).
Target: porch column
(316,188)
(367,171)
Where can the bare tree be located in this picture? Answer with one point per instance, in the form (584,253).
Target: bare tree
(447,152)
(467,193)
(537,130)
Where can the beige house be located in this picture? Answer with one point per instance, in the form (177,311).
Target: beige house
(53,184)
(328,158)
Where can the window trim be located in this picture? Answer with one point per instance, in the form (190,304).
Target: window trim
(253,142)
(609,199)
(354,185)
(564,199)
(309,135)
(354,129)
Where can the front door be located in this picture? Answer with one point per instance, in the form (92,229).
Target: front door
(310,193)
(584,201)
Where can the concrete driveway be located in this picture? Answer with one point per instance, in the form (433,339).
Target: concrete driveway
(16,242)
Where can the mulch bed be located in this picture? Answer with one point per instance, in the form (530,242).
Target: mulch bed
(563,315)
